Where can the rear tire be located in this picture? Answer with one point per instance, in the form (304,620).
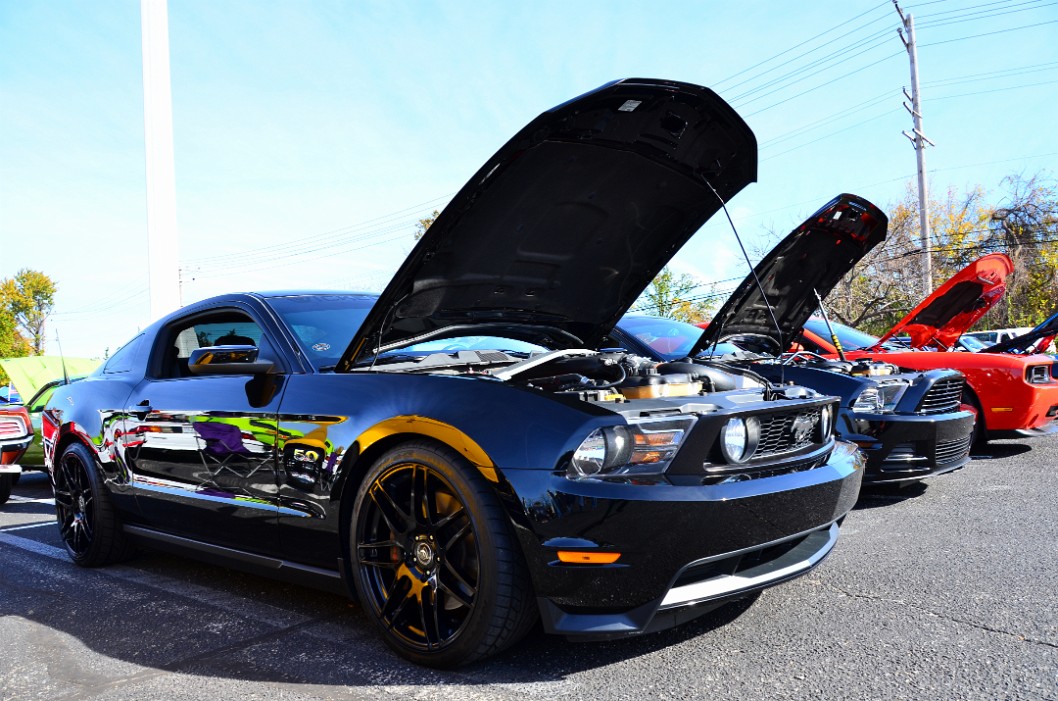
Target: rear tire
(88,522)
(436,565)
(6,482)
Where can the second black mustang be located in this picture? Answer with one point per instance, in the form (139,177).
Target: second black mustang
(910,424)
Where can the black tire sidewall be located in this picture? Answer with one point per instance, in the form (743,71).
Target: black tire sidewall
(470,488)
(108,542)
(6,483)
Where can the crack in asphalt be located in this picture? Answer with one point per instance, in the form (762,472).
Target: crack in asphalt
(944,616)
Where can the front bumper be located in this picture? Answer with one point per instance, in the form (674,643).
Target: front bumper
(685,547)
(903,448)
(12,449)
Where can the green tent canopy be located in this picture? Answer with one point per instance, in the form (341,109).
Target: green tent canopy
(31,373)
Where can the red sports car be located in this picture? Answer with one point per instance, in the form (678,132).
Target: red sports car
(1015,394)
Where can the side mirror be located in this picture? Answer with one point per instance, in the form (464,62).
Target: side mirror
(228,360)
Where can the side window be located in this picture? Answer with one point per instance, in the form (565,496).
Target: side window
(122,359)
(228,328)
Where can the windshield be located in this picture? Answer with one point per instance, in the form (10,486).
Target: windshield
(850,338)
(667,338)
(972,344)
(323,324)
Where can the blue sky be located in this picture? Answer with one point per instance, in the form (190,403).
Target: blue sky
(310,136)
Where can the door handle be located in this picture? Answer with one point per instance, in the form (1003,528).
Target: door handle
(141,410)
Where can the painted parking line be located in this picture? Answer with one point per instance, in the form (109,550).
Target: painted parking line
(34,546)
(479,687)
(23,527)
(16,499)
(243,606)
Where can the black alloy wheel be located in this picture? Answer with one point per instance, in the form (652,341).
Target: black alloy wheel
(437,567)
(88,523)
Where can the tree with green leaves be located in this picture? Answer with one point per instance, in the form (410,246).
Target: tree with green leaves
(12,343)
(424,224)
(674,297)
(886,284)
(28,298)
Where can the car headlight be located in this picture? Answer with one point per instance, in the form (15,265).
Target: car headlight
(638,448)
(826,423)
(876,398)
(739,438)
(1038,374)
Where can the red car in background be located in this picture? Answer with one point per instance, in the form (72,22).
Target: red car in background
(16,433)
(1015,394)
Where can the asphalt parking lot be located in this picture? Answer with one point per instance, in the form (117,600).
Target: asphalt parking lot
(943,592)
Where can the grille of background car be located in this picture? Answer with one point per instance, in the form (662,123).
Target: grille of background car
(944,396)
(950,451)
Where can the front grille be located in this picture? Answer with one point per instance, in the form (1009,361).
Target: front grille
(728,475)
(777,435)
(12,427)
(950,451)
(944,396)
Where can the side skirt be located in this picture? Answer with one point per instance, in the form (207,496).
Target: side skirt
(305,575)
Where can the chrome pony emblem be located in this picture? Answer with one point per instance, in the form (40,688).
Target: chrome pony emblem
(801,429)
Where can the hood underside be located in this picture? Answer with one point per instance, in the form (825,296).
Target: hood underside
(811,259)
(955,306)
(1038,339)
(555,237)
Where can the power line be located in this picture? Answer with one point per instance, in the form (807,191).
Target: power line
(987,34)
(840,25)
(984,14)
(993,90)
(829,83)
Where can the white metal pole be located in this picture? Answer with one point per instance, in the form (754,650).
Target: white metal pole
(162,241)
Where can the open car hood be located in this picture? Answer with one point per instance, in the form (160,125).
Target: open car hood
(812,258)
(554,238)
(1038,338)
(955,306)
(31,373)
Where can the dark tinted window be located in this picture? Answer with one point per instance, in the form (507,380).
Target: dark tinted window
(222,328)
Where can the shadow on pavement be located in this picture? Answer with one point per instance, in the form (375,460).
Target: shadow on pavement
(165,612)
(873,497)
(998,451)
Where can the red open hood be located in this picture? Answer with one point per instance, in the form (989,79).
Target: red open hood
(956,305)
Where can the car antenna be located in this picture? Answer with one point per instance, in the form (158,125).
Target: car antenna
(62,359)
(753,272)
(830,328)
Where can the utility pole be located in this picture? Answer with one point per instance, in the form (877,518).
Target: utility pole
(162,250)
(919,140)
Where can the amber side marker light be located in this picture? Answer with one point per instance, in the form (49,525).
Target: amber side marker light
(585,558)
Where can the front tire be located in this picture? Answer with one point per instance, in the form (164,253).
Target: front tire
(436,566)
(979,435)
(88,522)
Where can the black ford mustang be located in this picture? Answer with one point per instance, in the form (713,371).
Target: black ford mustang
(452,452)
(910,424)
